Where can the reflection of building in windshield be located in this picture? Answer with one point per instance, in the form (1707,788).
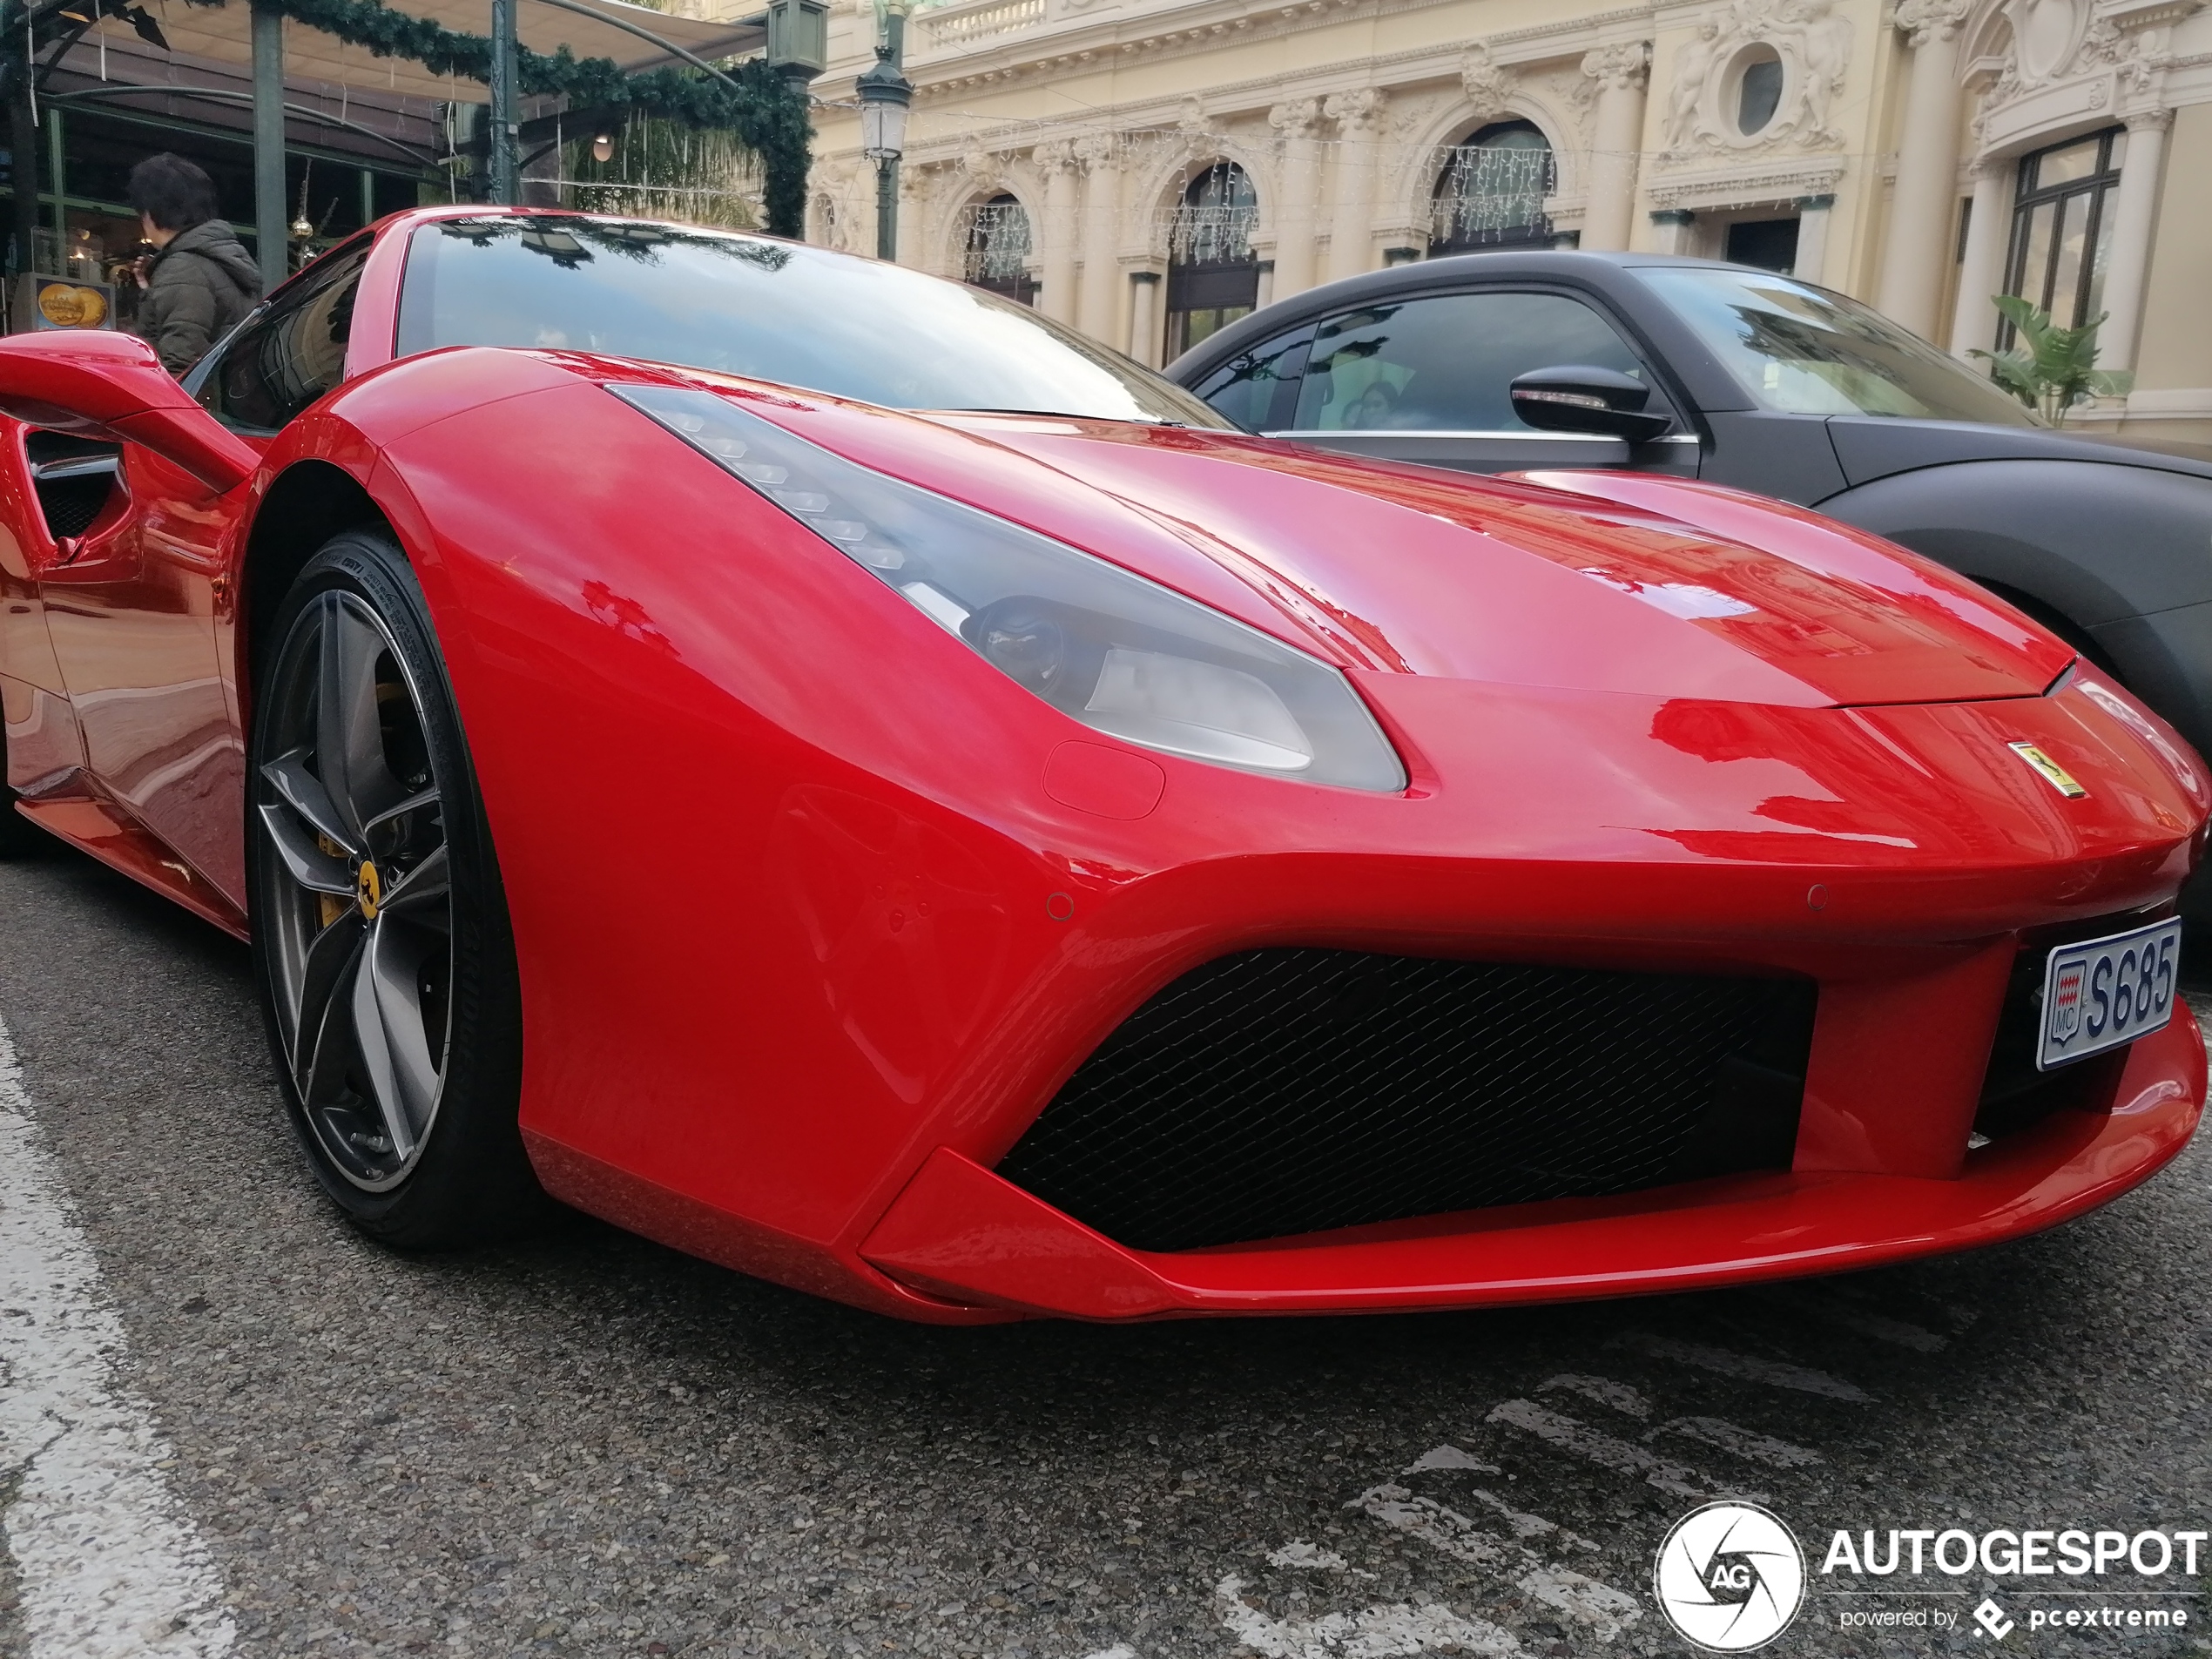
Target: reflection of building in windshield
(562,239)
(746,305)
(1804,352)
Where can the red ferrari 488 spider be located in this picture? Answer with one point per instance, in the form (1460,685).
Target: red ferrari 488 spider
(830,770)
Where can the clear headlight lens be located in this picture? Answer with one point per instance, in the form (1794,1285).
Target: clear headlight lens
(1122,655)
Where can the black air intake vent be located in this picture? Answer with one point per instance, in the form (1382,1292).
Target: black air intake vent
(1278,1092)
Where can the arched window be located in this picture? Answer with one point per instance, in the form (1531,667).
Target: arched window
(1213,278)
(1491,193)
(998,249)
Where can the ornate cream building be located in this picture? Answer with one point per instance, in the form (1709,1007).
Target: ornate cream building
(1145,169)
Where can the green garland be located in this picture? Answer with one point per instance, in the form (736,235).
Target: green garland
(766,112)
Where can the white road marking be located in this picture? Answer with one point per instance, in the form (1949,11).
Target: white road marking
(1525,1526)
(1379,1633)
(1450,1457)
(1624,1456)
(110,1567)
(1434,1525)
(1745,1443)
(1312,1557)
(1606,1610)
(1119,1651)
(1600,1391)
(1750,1368)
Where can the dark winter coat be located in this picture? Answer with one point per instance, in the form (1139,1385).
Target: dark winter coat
(197,288)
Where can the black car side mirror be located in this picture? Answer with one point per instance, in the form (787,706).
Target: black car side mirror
(1576,397)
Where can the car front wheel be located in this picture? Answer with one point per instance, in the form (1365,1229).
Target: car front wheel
(381,935)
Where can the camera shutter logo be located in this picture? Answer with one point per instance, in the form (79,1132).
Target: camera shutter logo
(1729,1577)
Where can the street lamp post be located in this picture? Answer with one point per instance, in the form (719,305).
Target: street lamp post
(884,94)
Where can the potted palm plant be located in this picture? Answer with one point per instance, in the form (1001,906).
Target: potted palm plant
(2050,368)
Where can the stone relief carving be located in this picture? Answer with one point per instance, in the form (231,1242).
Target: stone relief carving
(1489,85)
(985,169)
(1925,20)
(1813,40)
(1356,113)
(1295,118)
(1619,66)
(2046,36)
(2061,40)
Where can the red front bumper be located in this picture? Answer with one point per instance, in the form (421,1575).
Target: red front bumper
(960,1233)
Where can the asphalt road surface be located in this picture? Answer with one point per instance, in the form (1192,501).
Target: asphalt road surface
(232,1426)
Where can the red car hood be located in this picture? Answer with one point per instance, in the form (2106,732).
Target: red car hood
(1605,581)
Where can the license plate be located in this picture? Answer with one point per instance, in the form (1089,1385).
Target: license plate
(2105,992)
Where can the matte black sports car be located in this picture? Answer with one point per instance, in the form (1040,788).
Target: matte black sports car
(1498,362)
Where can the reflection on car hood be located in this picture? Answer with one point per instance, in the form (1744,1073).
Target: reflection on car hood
(1593,582)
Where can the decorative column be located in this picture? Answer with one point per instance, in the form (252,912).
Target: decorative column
(1927,166)
(1670,229)
(1617,141)
(2135,217)
(1351,232)
(1057,163)
(1299,193)
(1813,215)
(1264,295)
(1144,318)
(1973,320)
(1100,310)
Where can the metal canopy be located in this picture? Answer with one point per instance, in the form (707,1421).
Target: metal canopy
(223,35)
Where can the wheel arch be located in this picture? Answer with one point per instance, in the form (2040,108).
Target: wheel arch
(309,501)
(2095,542)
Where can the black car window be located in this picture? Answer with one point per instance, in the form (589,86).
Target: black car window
(1257,389)
(1442,362)
(283,360)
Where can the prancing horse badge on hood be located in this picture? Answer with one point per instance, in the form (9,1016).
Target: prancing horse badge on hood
(2057,776)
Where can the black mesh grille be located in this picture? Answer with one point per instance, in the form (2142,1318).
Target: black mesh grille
(1278,1092)
(71,504)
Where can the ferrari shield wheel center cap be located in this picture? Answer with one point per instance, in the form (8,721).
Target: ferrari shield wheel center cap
(368,890)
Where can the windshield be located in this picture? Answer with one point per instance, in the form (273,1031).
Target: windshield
(767,310)
(1804,351)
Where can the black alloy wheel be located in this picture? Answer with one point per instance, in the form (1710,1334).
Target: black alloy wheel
(381,935)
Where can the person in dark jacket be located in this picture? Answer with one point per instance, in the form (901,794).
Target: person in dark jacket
(201,279)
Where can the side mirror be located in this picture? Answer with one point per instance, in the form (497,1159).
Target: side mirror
(1576,398)
(111,385)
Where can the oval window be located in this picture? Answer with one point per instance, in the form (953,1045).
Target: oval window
(1758,89)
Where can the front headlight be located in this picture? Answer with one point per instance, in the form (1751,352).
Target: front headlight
(1122,655)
